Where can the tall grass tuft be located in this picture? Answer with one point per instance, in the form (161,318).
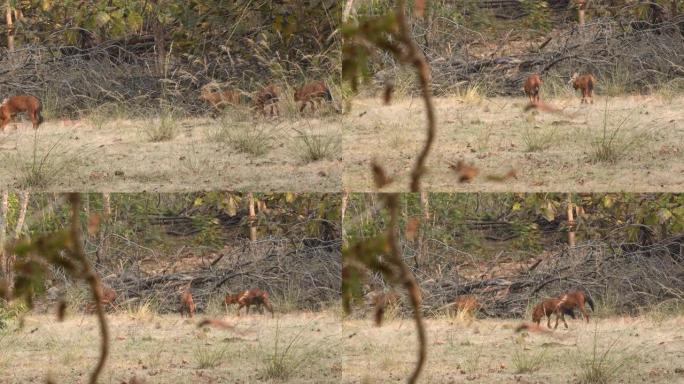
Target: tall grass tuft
(602,365)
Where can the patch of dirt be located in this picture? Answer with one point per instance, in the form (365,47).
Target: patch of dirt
(548,152)
(489,351)
(119,156)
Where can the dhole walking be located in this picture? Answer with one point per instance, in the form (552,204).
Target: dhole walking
(268,97)
(107,297)
(187,304)
(584,83)
(550,307)
(17,104)
(220,99)
(531,87)
(254,296)
(315,91)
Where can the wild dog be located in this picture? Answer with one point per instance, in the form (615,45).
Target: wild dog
(313,92)
(268,97)
(17,104)
(576,299)
(187,304)
(254,296)
(531,87)
(220,99)
(107,297)
(585,84)
(466,305)
(550,307)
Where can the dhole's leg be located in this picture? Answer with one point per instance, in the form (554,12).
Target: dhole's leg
(580,305)
(562,316)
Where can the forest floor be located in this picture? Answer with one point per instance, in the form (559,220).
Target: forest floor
(618,349)
(288,154)
(297,348)
(629,143)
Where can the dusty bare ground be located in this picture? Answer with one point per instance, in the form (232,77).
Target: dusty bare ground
(549,152)
(488,351)
(120,156)
(168,349)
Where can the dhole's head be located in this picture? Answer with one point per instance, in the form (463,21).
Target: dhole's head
(573,78)
(232,299)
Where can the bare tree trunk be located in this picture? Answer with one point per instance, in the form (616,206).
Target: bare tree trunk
(159,42)
(4,210)
(346,12)
(343,211)
(674,9)
(107,203)
(10,26)
(102,248)
(252,218)
(580,12)
(22,214)
(425,206)
(571,222)
(23,206)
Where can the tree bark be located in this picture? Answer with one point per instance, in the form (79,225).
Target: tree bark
(22,214)
(4,209)
(346,12)
(252,218)
(571,222)
(580,12)
(425,206)
(10,26)
(159,42)
(343,211)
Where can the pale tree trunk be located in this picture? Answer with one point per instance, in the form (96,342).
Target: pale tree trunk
(252,218)
(571,222)
(159,42)
(107,203)
(102,230)
(580,12)
(22,214)
(674,9)
(4,209)
(10,26)
(425,206)
(23,206)
(346,12)
(343,212)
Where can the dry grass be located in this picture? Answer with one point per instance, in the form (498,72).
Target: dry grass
(168,349)
(628,144)
(170,155)
(626,350)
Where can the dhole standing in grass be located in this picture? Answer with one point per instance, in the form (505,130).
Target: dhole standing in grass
(220,99)
(576,299)
(187,304)
(313,92)
(585,84)
(107,297)
(254,296)
(550,307)
(268,97)
(531,87)
(17,104)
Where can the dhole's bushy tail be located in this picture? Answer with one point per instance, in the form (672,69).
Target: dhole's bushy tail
(590,84)
(327,95)
(589,300)
(39,114)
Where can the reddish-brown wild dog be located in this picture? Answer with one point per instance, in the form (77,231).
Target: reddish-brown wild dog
(107,297)
(219,99)
(547,308)
(576,299)
(313,92)
(17,104)
(187,304)
(531,87)
(268,97)
(466,304)
(585,84)
(254,296)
